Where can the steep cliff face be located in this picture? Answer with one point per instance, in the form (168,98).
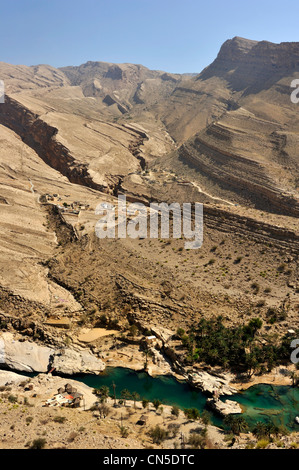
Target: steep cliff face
(40,136)
(249,227)
(245,64)
(228,221)
(235,121)
(43,138)
(245,72)
(238,127)
(246,177)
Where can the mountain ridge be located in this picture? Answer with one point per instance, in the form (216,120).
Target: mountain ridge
(76,136)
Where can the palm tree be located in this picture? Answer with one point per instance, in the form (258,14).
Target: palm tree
(135,397)
(237,424)
(251,363)
(294,378)
(260,430)
(126,395)
(147,353)
(145,403)
(114,394)
(156,404)
(104,393)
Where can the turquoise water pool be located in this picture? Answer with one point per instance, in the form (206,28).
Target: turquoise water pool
(279,404)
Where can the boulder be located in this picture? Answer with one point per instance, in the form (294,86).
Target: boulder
(23,356)
(224,408)
(163,334)
(211,384)
(8,378)
(69,362)
(31,357)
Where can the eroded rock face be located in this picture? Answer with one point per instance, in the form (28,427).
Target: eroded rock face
(30,357)
(224,408)
(23,356)
(211,384)
(8,378)
(114,72)
(71,362)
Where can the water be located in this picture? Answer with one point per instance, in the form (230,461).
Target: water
(164,388)
(279,404)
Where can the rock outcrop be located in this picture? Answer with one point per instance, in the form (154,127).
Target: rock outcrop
(7,378)
(31,357)
(41,137)
(211,384)
(23,356)
(72,362)
(224,408)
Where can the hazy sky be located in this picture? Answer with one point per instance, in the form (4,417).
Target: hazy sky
(172,35)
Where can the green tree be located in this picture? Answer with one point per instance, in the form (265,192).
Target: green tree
(236,424)
(175,411)
(196,442)
(124,431)
(135,397)
(260,430)
(103,393)
(156,404)
(126,395)
(147,353)
(39,443)
(192,413)
(104,410)
(205,417)
(158,434)
(251,363)
(145,403)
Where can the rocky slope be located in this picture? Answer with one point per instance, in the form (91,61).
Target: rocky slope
(73,137)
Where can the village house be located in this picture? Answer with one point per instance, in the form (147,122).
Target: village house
(67,396)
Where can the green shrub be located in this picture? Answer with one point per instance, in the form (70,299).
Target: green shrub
(191,413)
(59,419)
(158,434)
(196,442)
(12,399)
(262,444)
(175,411)
(124,431)
(39,443)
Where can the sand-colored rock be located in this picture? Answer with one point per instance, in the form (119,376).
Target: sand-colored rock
(71,362)
(59,323)
(224,408)
(211,384)
(31,357)
(23,355)
(7,377)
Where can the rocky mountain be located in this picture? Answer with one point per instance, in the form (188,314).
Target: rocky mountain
(76,136)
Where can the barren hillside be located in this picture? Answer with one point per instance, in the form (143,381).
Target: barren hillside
(73,137)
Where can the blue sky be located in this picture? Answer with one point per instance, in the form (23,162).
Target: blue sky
(172,35)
